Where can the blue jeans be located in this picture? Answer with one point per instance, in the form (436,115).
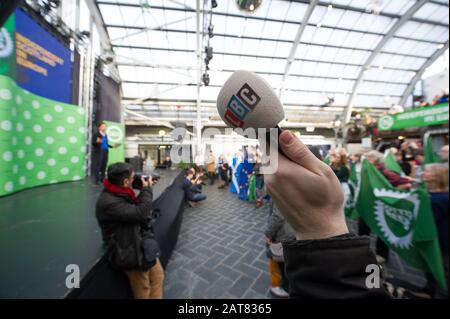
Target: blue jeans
(198,197)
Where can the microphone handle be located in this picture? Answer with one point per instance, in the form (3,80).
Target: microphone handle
(268,140)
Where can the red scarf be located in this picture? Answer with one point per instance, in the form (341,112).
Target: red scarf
(114,189)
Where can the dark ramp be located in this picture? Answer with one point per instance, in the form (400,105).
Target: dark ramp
(106,283)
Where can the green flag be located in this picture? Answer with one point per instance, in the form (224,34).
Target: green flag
(430,154)
(391,163)
(351,194)
(402,219)
(251,196)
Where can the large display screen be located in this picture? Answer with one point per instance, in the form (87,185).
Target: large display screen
(35,59)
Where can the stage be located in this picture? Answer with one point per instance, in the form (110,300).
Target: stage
(44,229)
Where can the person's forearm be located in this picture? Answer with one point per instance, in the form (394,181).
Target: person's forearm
(331,268)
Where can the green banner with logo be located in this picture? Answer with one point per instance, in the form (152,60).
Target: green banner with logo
(402,219)
(116,138)
(42,141)
(426,116)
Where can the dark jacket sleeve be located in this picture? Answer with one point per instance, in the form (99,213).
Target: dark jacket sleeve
(94,139)
(125,212)
(330,268)
(342,174)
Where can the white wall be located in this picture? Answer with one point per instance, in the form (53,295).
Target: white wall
(434,84)
(354,148)
(131,149)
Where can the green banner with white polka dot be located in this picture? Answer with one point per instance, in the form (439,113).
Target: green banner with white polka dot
(41,141)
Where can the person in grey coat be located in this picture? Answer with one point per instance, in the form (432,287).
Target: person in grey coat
(277,231)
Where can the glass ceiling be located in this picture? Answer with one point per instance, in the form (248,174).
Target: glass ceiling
(155,41)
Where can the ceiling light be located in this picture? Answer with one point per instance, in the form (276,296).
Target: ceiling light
(162,133)
(319,25)
(440,46)
(380,67)
(330,7)
(248,5)
(205,79)
(310,129)
(211,30)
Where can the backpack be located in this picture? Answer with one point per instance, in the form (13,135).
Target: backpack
(125,251)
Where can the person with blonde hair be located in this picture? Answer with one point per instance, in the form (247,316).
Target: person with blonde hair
(435,177)
(443,153)
(339,165)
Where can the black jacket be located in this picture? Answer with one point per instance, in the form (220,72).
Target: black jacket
(97,147)
(342,173)
(330,268)
(113,209)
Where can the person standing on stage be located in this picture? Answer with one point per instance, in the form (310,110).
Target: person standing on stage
(100,151)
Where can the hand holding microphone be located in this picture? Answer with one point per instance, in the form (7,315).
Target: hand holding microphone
(247,101)
(304,188)
(307,192)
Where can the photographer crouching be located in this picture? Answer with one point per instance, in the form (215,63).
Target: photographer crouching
(126,222)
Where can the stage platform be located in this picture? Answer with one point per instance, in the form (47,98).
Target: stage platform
(44,229)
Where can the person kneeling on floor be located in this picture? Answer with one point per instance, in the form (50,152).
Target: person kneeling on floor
(126,223)
(189,188)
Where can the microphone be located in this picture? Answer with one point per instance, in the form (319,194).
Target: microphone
(247,100)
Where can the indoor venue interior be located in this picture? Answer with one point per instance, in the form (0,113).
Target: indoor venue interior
(224,149)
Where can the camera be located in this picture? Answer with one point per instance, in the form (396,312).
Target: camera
(137,181)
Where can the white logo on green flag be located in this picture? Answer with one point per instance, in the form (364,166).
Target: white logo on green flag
(404,220)
(397,222)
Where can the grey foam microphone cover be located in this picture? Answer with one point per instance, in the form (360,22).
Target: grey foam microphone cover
(247,100)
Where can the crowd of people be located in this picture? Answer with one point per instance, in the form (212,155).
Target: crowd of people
(410,158)
(413,173)
(304,236)
(438,99)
